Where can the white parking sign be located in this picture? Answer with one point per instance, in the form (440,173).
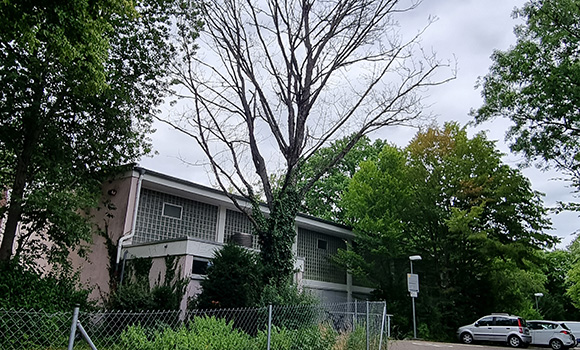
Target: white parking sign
(413,283)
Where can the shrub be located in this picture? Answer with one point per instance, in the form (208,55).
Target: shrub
(203,333)
(233,280)
(22,288)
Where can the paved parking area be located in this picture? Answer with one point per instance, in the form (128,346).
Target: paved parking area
(426,345)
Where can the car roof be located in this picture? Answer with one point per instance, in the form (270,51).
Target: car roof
(545,321)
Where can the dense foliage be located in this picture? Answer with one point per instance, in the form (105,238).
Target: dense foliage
(322,198)
(476,222)
(209,333)
(22,288)
(233,279)
(80,84)
(136,292)
(536,85)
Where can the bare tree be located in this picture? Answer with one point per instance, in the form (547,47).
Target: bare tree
(284,78)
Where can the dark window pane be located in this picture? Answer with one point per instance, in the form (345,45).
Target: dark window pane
(173,211)
(199,267)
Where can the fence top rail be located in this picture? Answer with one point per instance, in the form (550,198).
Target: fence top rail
(347,306)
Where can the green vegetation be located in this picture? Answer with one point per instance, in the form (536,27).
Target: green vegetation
(137,294)
(476,222)
(209,333)
(81,81)
(22,288)
(535,85)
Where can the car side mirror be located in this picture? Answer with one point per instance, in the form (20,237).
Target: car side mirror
(476,324)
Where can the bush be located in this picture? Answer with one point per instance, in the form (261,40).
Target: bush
(317,337)
(203,333)
(233,280)
(22,288)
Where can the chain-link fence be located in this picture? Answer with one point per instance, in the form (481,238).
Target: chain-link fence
(356,326)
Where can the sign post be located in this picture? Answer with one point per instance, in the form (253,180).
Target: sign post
(413,287)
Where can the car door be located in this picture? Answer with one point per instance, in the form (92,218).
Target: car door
(541,333)
(483,329)
(502,326)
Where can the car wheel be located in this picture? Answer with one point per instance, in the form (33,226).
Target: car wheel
(466,338)
(514,341)
(556,344)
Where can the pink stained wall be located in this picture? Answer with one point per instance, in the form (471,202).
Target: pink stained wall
(116,219)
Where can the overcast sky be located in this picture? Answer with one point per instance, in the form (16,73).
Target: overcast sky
(467,30)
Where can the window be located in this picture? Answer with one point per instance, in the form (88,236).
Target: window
(172,211)
(504,321)
(200,267)
(486,321)
(322,244)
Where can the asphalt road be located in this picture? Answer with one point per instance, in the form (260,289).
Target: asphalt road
(426,345)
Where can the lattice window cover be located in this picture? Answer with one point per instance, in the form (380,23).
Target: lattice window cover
(239,222)
(198,220)
(317,264)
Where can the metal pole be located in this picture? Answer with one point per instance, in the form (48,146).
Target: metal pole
(269,324)
(86,336)
(414,322)
(413,302)
(73,328)
(368,328)
(537,309)
(355,315)
(383,324)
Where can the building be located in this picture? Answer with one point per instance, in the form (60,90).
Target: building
(151,215)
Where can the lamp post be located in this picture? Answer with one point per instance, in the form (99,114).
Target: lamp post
(414,292)
(538,295)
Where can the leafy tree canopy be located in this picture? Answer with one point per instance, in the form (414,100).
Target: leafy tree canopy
(80,83)
(322,198)
(475,221)
(536,84)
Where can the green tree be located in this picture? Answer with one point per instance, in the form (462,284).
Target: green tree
(556,304)
(233,280)
(280,89)
(536,84)
(80,84)
(321,201)
(475,221)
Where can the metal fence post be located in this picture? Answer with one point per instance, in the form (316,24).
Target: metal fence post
(73,328)
(269,324)
(368,328)
(383,324)
(355,316)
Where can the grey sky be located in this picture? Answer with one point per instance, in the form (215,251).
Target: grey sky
(468,30)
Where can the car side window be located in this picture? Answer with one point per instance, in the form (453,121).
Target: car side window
(486,321)
(535,325)
(502,321)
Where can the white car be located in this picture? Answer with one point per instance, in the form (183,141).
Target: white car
(549,333)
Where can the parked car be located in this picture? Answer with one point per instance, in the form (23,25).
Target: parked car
(557,335)
(502,328)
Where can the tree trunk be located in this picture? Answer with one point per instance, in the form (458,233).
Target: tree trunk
(277,239)
(15,202)
(32,129)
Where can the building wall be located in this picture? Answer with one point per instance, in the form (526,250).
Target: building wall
(197,220)
(238,222)
(317,264)
(114,219)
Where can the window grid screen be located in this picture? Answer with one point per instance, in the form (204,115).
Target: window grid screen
(317,264)
(198,220)
(239,222)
